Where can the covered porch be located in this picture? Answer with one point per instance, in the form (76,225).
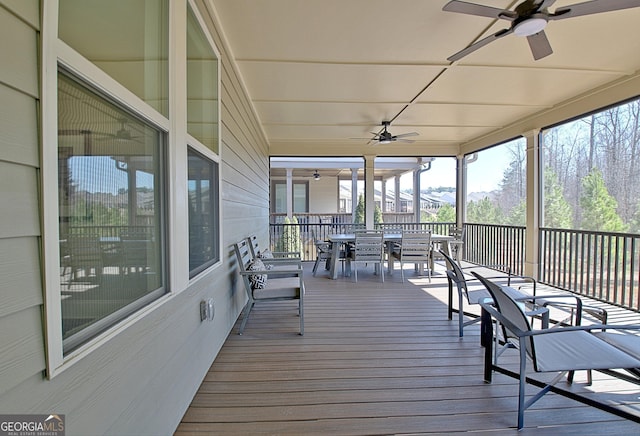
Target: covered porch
(379,358)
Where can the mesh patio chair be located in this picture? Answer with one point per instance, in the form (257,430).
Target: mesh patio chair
(562,350)
(472,292)
(457,244)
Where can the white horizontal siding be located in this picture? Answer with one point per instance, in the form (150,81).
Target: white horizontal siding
(23,355)
(22,352)
(19,66)
(20,284)
(18,127)
(19,199)
(26,10)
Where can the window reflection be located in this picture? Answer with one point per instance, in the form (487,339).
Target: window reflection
(110,206)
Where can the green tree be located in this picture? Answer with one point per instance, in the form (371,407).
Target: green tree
(598,206)
(360,212)
(484,212)
(517,215)
(290,240)
(359,219)
(377,215)
(634,226)
(557,211)
(446,214)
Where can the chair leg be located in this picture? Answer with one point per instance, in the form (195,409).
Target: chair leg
(402,270)
(247,310)
(460,316)
(301,314)
(315,266)
(522,384)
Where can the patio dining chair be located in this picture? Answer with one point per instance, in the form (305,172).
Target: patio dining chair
(457,244)
(415,247)
(562,350)
(262,284)
(324,251)
(84,254)
(368,248)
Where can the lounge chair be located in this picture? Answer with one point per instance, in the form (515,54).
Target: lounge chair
(561,349)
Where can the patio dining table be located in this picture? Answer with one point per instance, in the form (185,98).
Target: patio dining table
(338,239)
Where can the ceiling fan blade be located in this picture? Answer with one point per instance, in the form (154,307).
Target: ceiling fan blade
(593,7)
(473,9)
(539,45)
(473,47)
(545,4)
(404,135)
(407,141)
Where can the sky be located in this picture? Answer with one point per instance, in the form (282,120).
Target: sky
(483,175)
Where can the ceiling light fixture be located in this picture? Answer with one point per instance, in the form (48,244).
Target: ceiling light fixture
(530,26)
(316,175)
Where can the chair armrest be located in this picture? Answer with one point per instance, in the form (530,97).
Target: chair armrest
(587,328)
(281,261)
(287,254)
(275,272)
(489,308)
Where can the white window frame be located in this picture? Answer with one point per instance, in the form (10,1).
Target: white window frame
(201,148)
(56,53)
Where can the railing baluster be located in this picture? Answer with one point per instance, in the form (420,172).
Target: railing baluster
(605,266)
(601,265)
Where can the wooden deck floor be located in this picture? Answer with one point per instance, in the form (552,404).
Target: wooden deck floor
(377,359)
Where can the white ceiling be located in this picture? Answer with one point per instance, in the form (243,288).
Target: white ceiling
(327,71)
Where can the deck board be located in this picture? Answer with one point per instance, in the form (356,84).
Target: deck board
(377,359)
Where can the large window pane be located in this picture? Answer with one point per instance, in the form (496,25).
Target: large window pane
(126,39)
(110,188)
(496,184)
(300,203)
(203,212)
(202,86)
(591,171)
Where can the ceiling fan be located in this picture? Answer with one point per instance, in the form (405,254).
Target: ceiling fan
(123,134)
(530,18)
(385,137)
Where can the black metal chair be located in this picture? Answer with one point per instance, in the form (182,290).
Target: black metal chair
(563,350)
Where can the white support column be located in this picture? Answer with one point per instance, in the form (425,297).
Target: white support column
(289,192)
(532,247)
(369,191)
(461,190)
(416,195)
(383,196)
(397,206)
(354,193)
